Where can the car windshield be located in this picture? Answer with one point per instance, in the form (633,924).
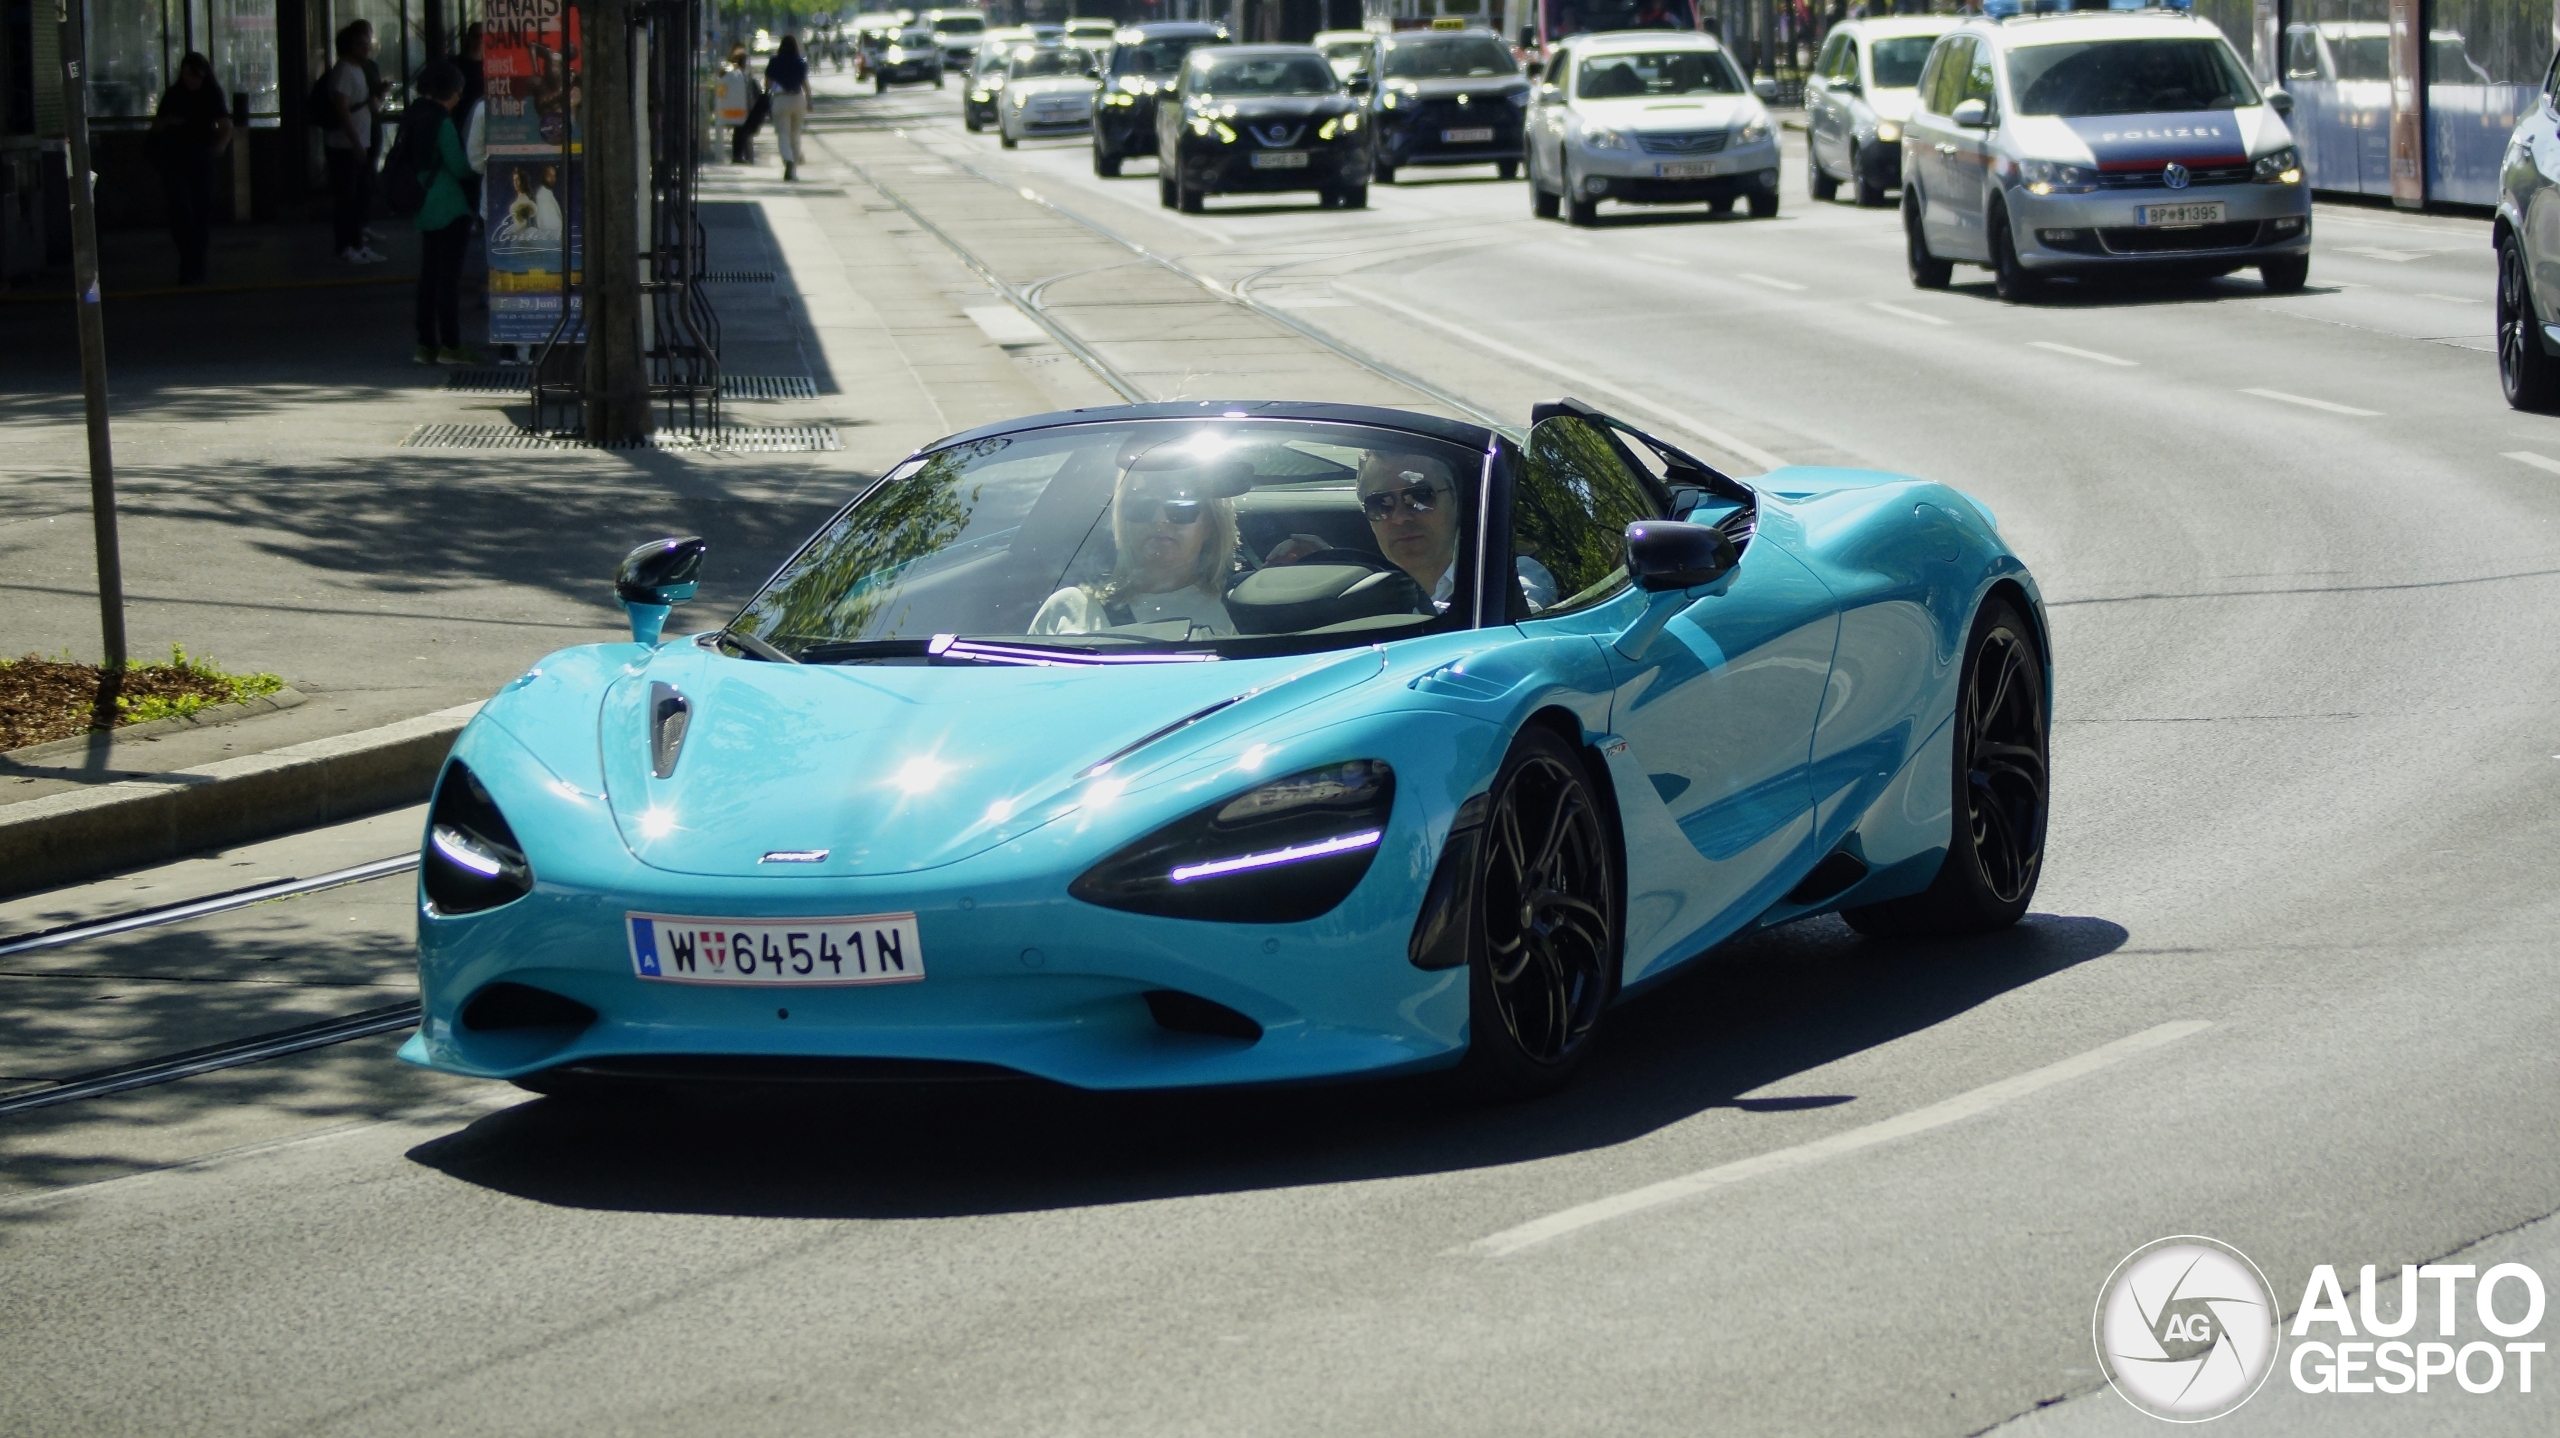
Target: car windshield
(1347,50)
(959,25)
(1160,56)
(992,61)
(1137,537)
(1449,57)
(1593,17)
(1645,73)
(1033,64)
(1898,58)
(2127,77)
(1266,75)
(916,40)
(2362,57)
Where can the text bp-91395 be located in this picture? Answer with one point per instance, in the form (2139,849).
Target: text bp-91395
(788,953)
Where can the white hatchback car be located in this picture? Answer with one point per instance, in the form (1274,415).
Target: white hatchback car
(1048,90)
(1649,117)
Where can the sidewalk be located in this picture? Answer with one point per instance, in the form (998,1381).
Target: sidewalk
(273,519)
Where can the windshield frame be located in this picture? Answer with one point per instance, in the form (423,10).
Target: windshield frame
(1468,607)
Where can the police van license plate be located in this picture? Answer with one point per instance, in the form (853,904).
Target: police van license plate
(1279,159)
(2201,213)
(1684,169)
(777,953)
(1467,137)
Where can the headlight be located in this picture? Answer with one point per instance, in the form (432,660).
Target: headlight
(2052,177)
(982,96)
(1282,853)
(1604,139)
(1753,133)
(1330,129)
(1119,99)
(472,861)
(896,54)
(1389,100)
(2284,167)
(1887,131)
(1351,123)
(1225,135)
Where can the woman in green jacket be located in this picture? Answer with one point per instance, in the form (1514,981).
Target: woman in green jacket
(444,220)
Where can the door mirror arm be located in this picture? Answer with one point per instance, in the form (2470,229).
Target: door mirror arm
(2280,101)
(1670,560)
(654,579)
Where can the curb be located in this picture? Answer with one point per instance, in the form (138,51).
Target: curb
(284,698)
(65,838)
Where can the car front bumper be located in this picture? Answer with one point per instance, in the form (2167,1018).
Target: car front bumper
(1230,169)
(1422,139)
(2102,231)
(1638,178)
(1125,129)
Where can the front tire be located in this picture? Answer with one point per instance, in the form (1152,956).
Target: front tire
(2529,377)
(2285,276)
(1189,199)
(1870,194)
(1764,206)
(1928,272)
(1545,958)
(1383,173)
(970,119)
(1105,164)
(1580,210)
(1354,197)
(1507,169)
(1007,140)
(2012,281)
(1995,849)
(1817,179)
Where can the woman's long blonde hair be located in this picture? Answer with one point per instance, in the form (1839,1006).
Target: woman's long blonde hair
(1217,547)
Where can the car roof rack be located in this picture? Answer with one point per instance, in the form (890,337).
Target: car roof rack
(1997,10)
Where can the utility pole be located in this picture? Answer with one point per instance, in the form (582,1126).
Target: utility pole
(93,353)
(617,378)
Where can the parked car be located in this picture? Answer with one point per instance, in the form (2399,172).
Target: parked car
(1260,119)
(1858,99)
(1446,97)
(1649,118)
(2099,142)
(1145,60)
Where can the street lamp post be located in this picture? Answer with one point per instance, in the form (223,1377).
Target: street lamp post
(93,351)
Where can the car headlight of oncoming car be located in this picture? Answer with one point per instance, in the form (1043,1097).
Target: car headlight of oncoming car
(2284,167)
(472,860)
(1604,139)
(1280,853)
(2053,177)
(1888,132)
(1752,133)
(1339,125)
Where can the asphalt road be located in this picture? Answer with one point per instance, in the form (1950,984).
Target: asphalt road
(2287,983)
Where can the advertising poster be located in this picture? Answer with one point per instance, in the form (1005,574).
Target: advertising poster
(532,198)
(531,206)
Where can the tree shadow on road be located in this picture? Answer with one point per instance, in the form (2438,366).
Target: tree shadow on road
(1750,1015)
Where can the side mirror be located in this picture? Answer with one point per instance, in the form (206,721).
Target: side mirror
(1765,88)
(1550,94)
(1668,554)
(2281,102)
(655,578)
(1360,82)
(1971,114)
(1847,85)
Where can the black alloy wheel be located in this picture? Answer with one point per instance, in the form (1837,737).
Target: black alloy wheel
(2001,796)
(1817,179)
(2530,377)
(2012,281)
(1928,272)
(1546,958)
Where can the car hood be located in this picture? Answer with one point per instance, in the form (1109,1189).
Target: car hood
(1706,112)
(2143,141)
(896,768)
(1049,85)
(1267,108)
(1483,87)
(1894,105)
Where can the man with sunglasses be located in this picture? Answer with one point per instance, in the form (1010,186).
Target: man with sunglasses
(1411,502)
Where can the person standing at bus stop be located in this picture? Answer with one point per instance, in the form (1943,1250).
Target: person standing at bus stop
(444,219)
(346,116)
(786,79)
(190,130)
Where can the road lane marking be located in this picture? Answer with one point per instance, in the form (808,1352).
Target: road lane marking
(2084,354)
(1774,284)
(1963,1106)
(2454,299)
(2377,252)
(2538,461)
(2308,403)
(1906,314)
(1730,444)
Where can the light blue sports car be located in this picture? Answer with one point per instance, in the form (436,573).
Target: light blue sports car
(1189,744)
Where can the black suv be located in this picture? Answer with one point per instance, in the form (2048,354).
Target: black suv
(1259,118)
(1144,59)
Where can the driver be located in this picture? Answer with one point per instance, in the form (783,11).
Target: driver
(1172,547)
(1411,502)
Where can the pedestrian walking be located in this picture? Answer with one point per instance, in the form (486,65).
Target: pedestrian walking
(786,81)
(742,106)
(191,129)
(430,141)
(344,102)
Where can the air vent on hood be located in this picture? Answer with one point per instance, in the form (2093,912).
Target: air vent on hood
(669,713)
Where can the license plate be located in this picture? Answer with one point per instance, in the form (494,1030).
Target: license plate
(2201,213)
(1467,137)
(776,953)
(1684,169)
(1279,159)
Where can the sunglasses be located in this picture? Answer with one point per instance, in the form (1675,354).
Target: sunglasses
(1420,498)
(1135,510)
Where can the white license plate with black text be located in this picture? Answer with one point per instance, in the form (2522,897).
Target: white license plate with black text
(1467,137)
(2201,212)
(778,953)
(1280,159)
(1684,169)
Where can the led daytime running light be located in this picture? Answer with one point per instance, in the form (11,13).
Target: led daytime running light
(1276,857)
(455,845)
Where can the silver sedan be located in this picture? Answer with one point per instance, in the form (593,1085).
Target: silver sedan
(1648,118)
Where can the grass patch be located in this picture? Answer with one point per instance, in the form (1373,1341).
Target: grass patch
(47,699)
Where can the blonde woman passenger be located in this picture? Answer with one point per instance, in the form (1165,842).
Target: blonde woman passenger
(1173,557)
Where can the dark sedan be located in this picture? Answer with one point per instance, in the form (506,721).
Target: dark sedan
(1447,97)
(1144,61)
(1254,119)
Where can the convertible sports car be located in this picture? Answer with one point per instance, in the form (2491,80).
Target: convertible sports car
(1185,743)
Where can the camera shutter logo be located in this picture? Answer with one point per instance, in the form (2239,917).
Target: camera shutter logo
(2186,1328)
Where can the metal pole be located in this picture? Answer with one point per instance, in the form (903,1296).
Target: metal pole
(617,376)
(93,349)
